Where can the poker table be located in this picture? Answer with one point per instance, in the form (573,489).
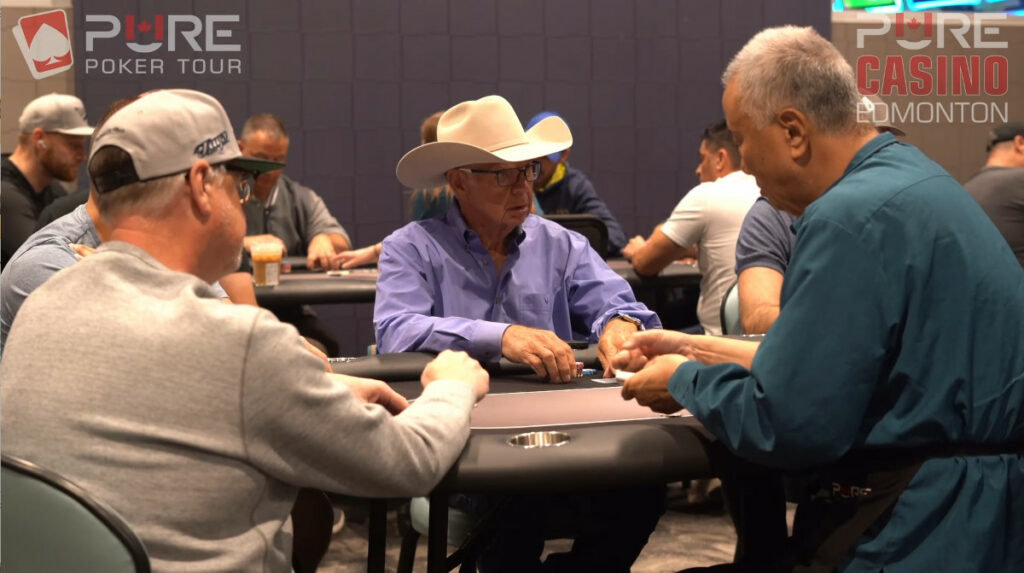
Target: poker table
(302,286)
(318,287)
(612,443)
(674,275)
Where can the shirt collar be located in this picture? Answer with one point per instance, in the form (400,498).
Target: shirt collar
(272,198)
(454,218)
(876,144)
(10,170)
(733,175)
(870,148)
(82,213)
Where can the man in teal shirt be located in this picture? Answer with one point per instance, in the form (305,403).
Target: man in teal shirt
(902,329)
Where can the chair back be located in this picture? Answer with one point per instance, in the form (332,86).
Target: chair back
(730,313)
(590,226)
(51,525)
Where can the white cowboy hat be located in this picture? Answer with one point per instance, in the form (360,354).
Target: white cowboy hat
(486,130)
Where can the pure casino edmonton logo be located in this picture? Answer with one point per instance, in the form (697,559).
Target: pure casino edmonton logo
(955,64)
(163,43)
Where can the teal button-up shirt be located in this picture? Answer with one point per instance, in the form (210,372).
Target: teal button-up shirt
(902,324)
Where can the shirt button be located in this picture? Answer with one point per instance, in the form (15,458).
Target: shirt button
(486,261)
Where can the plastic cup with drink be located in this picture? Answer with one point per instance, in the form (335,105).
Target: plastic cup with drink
(266,263)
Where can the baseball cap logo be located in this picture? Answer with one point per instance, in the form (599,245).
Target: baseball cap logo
(45,43)
(211,145)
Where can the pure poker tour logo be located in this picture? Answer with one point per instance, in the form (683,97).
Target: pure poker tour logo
(184,43)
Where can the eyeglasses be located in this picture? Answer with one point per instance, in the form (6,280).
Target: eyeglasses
(509,177)
(246,182)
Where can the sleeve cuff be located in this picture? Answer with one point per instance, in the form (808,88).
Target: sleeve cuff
(486,342)
(681,384)
(768,262)
(457,390)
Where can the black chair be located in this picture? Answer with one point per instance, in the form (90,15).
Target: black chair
(51,525)
(590,226)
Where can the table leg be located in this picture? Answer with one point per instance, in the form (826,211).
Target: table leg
(378,535)
(437,536)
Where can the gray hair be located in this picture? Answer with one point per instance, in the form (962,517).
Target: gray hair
(267,123)
(791,66)
(147,198)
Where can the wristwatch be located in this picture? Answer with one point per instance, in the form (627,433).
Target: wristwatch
(639,324)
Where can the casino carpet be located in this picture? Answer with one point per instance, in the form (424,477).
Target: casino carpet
(682,539)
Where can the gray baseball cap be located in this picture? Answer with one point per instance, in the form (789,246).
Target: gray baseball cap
(166,132)
(57,113)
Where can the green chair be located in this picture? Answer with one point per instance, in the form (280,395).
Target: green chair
(51,525)
(730,312)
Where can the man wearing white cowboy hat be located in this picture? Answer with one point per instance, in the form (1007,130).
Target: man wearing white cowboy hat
(495,281)
(487,277)
(51,146)
(219,409)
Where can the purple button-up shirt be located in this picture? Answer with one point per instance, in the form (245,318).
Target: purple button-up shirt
(438,288)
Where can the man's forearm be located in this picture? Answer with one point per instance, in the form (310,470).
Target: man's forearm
(719,350)
(339,242)
(239,288)
(760,319)
(657,253)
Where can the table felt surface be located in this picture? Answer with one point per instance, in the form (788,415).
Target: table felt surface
(612,442)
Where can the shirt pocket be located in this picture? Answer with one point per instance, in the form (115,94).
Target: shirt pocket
(536,302)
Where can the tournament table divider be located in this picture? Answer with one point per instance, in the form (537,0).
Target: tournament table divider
(600,454)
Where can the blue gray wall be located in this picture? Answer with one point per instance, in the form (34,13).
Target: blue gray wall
(637,81)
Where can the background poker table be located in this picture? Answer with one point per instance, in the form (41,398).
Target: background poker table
(318,287)
(613,443)
(303,286)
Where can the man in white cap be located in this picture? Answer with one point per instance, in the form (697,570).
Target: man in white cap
(562,189)
(51,146)
(198,421)
(492,279)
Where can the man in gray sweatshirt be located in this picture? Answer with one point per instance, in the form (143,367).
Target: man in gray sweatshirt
(198,421)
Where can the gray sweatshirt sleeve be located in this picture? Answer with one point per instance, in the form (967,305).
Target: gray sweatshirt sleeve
(302,427)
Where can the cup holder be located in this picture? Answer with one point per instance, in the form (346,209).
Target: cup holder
(539,440)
